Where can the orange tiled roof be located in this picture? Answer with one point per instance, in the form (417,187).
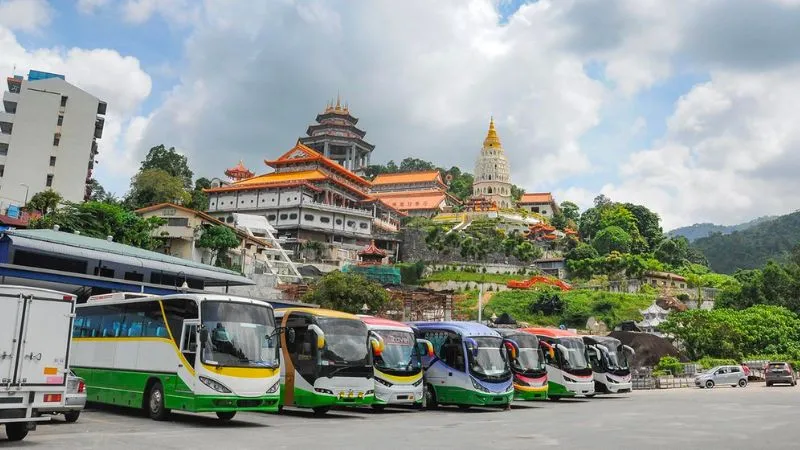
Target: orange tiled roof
(304,153)
(282,177)
(430,200)
(537,197)
(407,177)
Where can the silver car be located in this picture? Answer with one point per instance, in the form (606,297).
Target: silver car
(722,375)
(74,401)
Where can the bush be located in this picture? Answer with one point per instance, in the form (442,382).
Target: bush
(670,364)
(410,273)
(709,362)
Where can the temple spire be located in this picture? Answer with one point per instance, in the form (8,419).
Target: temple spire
(492,140)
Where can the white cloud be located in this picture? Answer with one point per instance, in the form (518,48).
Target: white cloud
(90,6)
(174,11)
(118,80)
(25,15)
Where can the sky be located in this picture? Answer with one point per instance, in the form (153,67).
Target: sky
(688,107)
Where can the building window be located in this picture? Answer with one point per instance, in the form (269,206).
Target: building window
(52,161)
(60,120)
(363,225)
(271,217)
(293,216)
(178,222)
(351,223)
(63,101)
(284,216)
(2,170)
(338,221)
(308,218)
(3,149)
(56,139)
(325,219)
(49,182)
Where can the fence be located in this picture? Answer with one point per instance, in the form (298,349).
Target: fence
(668,382)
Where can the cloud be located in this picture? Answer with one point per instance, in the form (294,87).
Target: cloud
(25,15)
(179,12)
(118,80)
(91,6)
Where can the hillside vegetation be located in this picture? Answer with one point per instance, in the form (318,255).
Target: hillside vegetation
(751,248)
(701,230)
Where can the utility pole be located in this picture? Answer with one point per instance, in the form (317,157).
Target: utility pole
(480,301)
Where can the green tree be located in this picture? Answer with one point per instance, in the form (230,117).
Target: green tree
(581,252)
(153,186)
(526,252)
(347,292)
(461,184)
(219,239)
(102,219)
(415,165)
(170,161)
(673,252)
(199,199)
(45,202)
(612,239)
(516,193)
(570,211)
(648,224)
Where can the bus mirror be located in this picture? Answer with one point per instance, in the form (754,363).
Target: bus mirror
(426,347)
(320,335)
(629,349)
(512,348)
(472,347)
(548,348)
(376,343)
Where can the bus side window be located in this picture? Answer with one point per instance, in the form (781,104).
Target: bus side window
(454,353)
(437,338)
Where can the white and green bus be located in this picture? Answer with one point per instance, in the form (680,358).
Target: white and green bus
(191,352)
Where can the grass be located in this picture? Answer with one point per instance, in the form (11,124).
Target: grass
(609,307)
(475,277)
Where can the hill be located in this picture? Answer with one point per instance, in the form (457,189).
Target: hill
(701,230)
(753,247)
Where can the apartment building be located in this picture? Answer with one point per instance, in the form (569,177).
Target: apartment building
(48,138)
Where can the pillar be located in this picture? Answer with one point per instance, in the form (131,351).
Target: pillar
(327,150)
(353,153)
(346,162)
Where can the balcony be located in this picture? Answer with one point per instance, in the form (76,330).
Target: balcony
(5,139)
(5,127)
(98,127)
(7,117)
(385,225)
(101,108)
(10,101)
(336,209)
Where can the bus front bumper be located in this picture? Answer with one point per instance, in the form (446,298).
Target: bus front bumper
(398,394)
(530,392)
(570,389)
(213,403)
(619,388)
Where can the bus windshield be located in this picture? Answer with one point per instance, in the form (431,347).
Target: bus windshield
(345,342)
(616,357)
(573,353)
(530,358)
(399,354)
(239,335)
(490,363)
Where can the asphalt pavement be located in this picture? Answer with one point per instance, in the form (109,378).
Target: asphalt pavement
(720,418)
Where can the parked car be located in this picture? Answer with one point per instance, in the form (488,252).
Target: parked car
(731,375)
(780,372)
(74,401)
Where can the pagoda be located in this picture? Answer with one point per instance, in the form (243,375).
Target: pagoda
(239,172)
(371,255)
(336,136)
(492,174)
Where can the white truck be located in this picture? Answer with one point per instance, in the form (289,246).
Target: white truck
(35,336)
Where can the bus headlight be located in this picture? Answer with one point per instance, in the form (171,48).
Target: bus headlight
(215,385)
(479,386)
(418,382)
(383,382)
(274,388)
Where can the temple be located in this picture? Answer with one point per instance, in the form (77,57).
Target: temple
(492,175)
(239,172)
(414,193)
(309,197)
(539,203)
(335,136)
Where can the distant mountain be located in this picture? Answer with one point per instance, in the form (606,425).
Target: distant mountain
(752,247)
(701,230)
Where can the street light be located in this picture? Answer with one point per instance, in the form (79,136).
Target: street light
(365,308)
(27,189)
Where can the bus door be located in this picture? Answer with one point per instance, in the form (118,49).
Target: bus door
(299,353)
(189,347)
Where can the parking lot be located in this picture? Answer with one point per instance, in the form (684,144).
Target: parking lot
(721,418)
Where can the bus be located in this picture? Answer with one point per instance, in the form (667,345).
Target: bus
(526,359)
(326,359)
(610,364)
(192,352)
(568,370)
(469,366)
(398,364)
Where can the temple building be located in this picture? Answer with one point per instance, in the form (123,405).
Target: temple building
(492,174)
(309,197)
(335,136)
(539,203)
(414,193)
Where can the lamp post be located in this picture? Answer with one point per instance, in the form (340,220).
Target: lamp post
(365,309)
(27,189)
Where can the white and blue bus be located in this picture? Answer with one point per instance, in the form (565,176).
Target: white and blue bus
(469,367)
(610,364)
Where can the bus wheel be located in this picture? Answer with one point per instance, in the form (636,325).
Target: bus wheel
(430,398)
(155,403)
(464,407)
(226,415)
(379,408)
(321,410)
(590,395)
(554,398)
(16,431)
(71,416)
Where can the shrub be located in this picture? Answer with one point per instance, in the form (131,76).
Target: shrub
(709,362)
(670,364)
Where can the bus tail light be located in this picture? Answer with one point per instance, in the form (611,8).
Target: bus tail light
(52,398)
(81,387)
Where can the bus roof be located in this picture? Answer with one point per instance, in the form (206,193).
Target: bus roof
(462,328)
(280,312)
(604,340)
(550,332)
(197,297)
(377,323)
(507,332)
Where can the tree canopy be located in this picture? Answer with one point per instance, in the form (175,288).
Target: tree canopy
(45,201)
(219,239)
(153,186)
(347,292)
(170,161)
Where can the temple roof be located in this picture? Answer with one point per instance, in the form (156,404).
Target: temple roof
(303,153)
(372,250)
(281,177)
(427,176)
(239,171)
(492,140)
(536,197)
